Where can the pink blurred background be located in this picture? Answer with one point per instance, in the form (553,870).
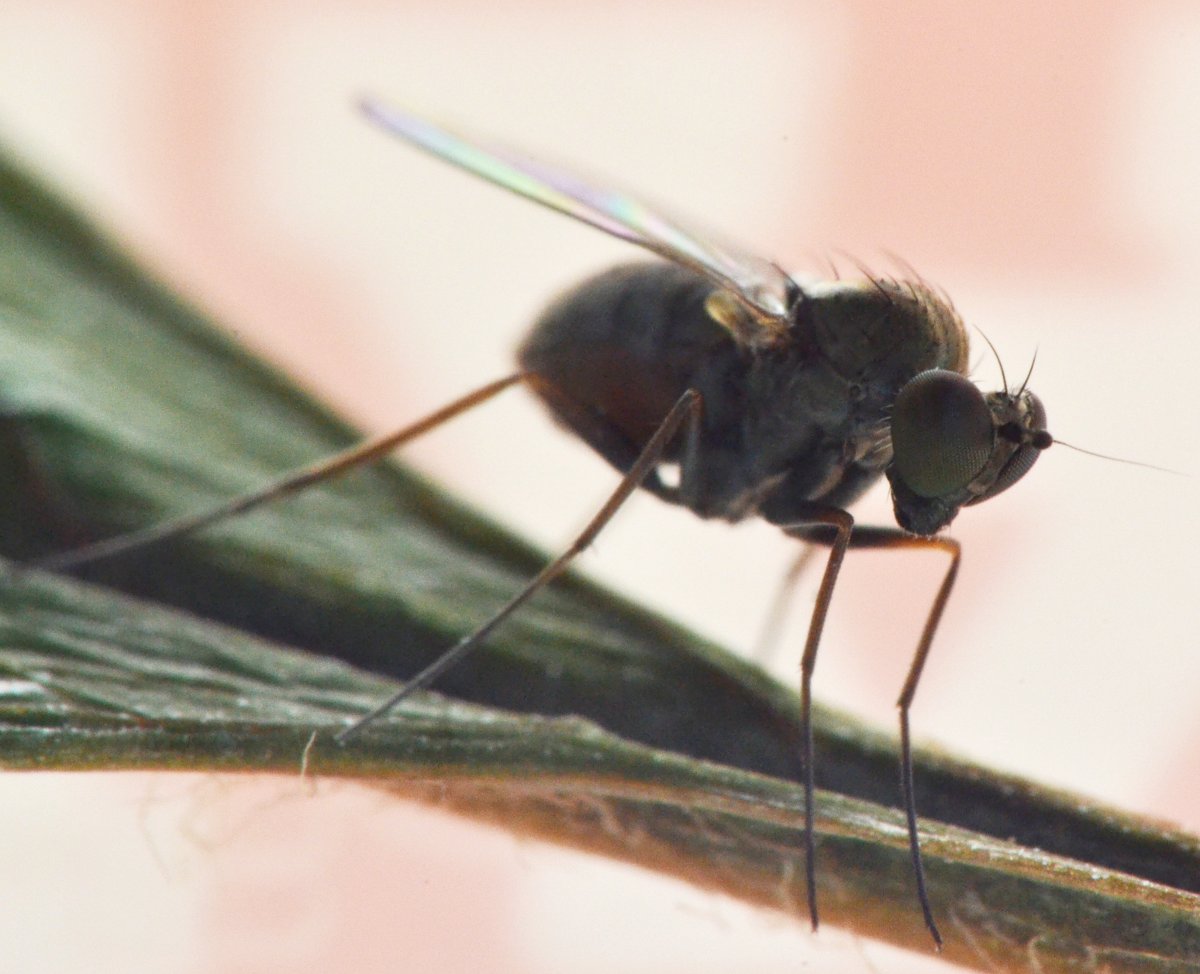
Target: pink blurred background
(1038,161)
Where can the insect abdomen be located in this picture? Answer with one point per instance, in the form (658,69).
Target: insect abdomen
(613,355)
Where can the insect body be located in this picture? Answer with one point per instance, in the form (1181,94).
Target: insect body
(801,418)
(772,397)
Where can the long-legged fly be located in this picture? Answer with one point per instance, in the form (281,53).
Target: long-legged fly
(764,395)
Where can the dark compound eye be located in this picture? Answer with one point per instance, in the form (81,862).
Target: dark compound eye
(942,433)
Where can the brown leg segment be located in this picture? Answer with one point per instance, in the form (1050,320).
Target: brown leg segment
(767,643)
(840,521)
(847,536)
(357,456)
(687,408)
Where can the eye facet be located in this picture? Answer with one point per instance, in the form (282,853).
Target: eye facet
(942,433)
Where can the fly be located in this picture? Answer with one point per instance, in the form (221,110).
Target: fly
(717,382)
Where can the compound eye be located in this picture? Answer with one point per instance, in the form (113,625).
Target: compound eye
(942,433)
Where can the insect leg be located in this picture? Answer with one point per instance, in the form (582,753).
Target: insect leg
(767,643)
(816,522)
(893,538)
(686,408)
(292,483)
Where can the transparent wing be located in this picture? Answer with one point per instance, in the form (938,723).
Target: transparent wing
(758,285)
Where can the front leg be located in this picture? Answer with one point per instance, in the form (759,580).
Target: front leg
(835,529)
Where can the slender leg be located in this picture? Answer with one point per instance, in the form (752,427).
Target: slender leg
(767,643)
(840,521)
(339,463)
(892,538)
(685,409)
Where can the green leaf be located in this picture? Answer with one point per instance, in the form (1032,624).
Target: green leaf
(586,720)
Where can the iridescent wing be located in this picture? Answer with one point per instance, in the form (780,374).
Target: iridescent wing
(758,286)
